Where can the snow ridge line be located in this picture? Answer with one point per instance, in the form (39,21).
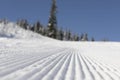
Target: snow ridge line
(22,57)
(40,67)
(39,75)
(12,67)
(105,69)
(79,73)
(61,73)
(71,69)
(51,74)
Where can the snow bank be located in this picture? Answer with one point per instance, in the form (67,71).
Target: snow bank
(12,30)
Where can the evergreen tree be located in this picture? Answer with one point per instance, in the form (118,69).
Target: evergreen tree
(69,35)
(44,31)
(52,23)
(65,36)
(23,23)
(37,27)
(81,37)
(60,34)
(32,28)
(92,39)
(85,37)
(75,38)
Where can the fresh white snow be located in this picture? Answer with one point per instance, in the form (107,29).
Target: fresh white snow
(25,55)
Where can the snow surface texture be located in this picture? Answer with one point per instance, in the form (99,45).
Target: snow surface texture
(45,59)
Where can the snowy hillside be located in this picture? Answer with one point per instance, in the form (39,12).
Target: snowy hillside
(39,58)
(11,30)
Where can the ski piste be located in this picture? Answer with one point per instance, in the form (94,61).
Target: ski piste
(25,55)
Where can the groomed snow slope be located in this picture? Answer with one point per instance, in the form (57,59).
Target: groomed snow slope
(44,59)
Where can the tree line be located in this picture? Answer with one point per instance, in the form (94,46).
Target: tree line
(61,34)
(55,33)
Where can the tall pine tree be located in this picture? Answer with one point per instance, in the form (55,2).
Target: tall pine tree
(52,23)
